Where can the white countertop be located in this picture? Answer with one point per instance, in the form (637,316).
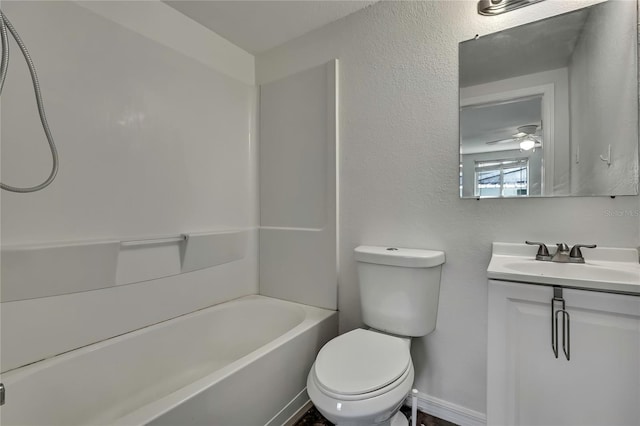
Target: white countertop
(605,268)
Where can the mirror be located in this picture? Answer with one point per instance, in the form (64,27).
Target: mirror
(550,108)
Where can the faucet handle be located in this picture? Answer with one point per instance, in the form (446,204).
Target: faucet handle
(576,253)
(543,251)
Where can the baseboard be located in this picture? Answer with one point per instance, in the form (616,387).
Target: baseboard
(449,411)
(445,410)
(293,411)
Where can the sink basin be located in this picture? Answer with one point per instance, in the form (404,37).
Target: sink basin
(580,271)
(605,269)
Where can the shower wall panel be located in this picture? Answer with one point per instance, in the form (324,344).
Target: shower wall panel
(156,137)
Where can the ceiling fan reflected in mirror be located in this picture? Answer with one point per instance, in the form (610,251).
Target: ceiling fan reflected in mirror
(526,137)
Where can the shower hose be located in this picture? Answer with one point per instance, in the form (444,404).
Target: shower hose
(4,64)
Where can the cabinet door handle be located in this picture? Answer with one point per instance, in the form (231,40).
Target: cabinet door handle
(566,324)
(566,333)
(557,297)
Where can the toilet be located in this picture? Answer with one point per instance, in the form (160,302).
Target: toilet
(363,377)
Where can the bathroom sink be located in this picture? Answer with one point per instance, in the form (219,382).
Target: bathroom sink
(605,269)
(577,271)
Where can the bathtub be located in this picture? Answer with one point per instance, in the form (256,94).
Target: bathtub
(243,362)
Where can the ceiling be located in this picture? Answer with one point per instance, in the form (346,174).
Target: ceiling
(257,26)
(496,122)
(538,46)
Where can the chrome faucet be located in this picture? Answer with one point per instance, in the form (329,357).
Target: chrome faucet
(575,256)
(562,254)
(543,251)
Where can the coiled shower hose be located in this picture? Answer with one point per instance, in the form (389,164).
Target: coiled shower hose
(4,64)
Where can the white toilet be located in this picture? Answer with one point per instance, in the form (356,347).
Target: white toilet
(363,377)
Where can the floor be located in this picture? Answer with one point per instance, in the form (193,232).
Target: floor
(313,418)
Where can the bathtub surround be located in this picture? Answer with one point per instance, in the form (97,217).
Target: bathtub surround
(34,271)
(298,187)
(155,122)
(399,176)
(158,130)
(41,272)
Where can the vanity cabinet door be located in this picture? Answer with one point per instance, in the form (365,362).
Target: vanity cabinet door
(528,385)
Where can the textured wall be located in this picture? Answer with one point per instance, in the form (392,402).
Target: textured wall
(399,172)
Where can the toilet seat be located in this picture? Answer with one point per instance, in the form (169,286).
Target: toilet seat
(361,364)
(405,380)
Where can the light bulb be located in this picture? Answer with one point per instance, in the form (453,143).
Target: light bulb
(527,144)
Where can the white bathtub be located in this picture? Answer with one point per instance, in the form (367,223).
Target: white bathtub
(243,362)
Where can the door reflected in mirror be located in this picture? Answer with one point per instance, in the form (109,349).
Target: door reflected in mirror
(551,108)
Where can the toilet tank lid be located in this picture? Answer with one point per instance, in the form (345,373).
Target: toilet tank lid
(395,256)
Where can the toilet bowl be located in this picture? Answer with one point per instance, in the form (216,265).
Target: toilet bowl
(364,376)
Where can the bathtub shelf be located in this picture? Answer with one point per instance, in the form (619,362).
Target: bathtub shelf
(205,250)
(154,241)
(34,271)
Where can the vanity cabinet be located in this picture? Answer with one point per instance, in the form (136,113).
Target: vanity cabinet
(528,385)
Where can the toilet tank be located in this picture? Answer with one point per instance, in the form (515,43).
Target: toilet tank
(399,288)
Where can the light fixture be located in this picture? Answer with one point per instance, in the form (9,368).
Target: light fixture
(526,144)
(527,138)
(529,129)
(496,7)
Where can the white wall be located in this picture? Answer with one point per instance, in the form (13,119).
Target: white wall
(154,121)
(604,100)
(399,172)
(298,187)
